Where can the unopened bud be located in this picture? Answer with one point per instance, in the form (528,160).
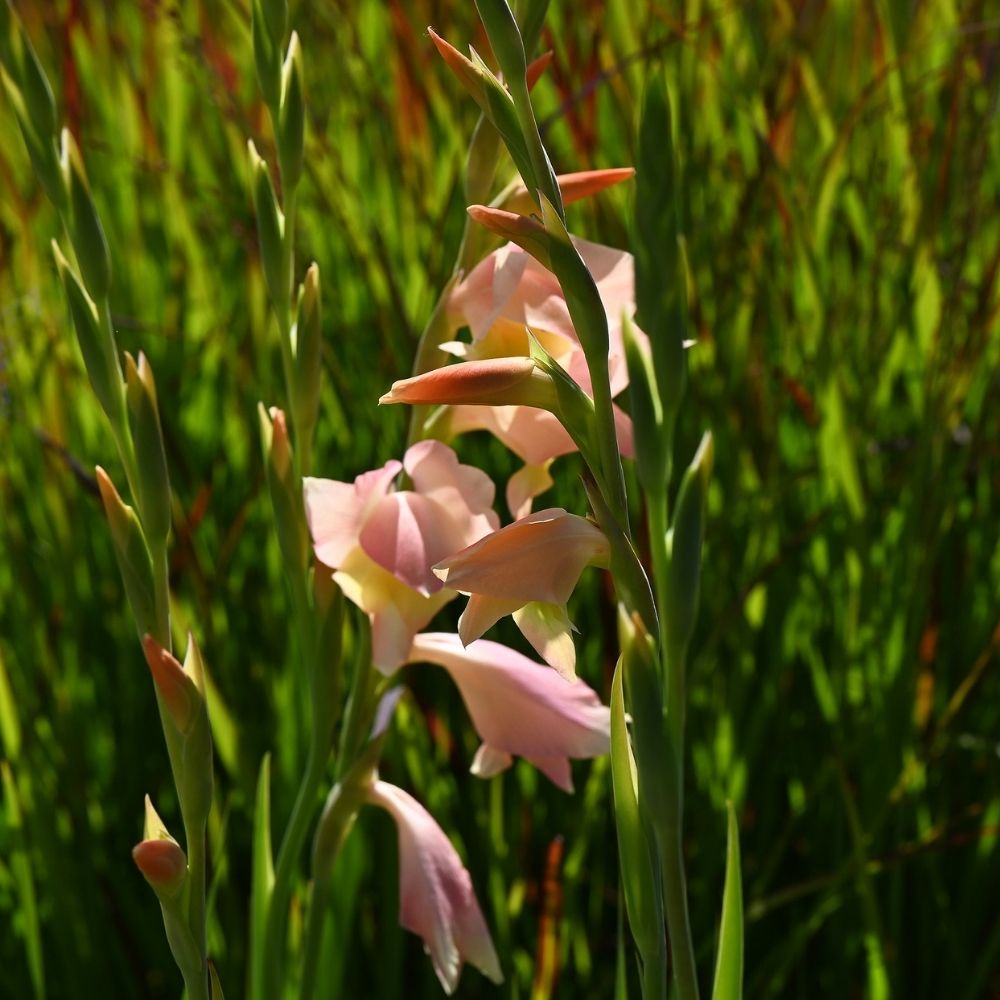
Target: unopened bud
(268,24)
(283,485)
(131,553)
(291,117)
(159,857)
(307,341)
(270,232)
(147,437)
(85,227)
(176,689)
(96,344)
(684,542)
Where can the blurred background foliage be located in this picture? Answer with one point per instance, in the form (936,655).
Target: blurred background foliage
(842,165)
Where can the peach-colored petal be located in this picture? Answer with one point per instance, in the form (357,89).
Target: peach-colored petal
(383,544)
(336,511)
(463,490)
(407,534)
(538,558)
(482,613)
(489,762)
(535,436)
(548,628)
(518,706)
(397,612)
(526,484)
(573,187)
(436,899)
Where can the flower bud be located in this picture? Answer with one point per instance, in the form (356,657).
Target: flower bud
(147,437)
(276,19)
(684,545)
(652,451)
(307,341)
(270,232)
(493,382)
(33,83)
(41,149)
(505,39)
(527,233)
(640,880)
(283,485)
(291,117)
(159,857)
(268,23)
(96,345)
(644,702)
(85,227)
(177,690)
(131,553)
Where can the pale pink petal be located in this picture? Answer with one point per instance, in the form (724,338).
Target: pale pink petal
(533,435)
(437,473)
(336,511)
(489,762)
(549,630)
(526,484)
(538,558)
(519,706)
(556,769)
(407,533)
(397,612)
(436,899)
(482,613)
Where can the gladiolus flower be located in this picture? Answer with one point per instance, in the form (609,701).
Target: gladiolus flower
(529,570)
(509,294)
(519,707)
(383,543)
(436,899)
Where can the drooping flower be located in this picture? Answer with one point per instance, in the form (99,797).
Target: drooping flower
(382,543)
(519,707)
(436,899)
(529,570)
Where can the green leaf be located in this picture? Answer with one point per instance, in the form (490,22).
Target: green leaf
(660,290)
(262,881)
(729,963)
(20,866)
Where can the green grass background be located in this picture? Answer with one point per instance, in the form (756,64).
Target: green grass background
(842,219)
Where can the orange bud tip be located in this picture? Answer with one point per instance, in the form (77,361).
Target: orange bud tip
(537,67)
(162,863)
(173,685)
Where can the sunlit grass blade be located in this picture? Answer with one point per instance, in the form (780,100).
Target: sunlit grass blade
(729,961)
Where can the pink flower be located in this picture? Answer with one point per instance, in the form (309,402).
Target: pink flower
(529,570)
(436,899)
(519,707)
(382,543)
(505,296)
